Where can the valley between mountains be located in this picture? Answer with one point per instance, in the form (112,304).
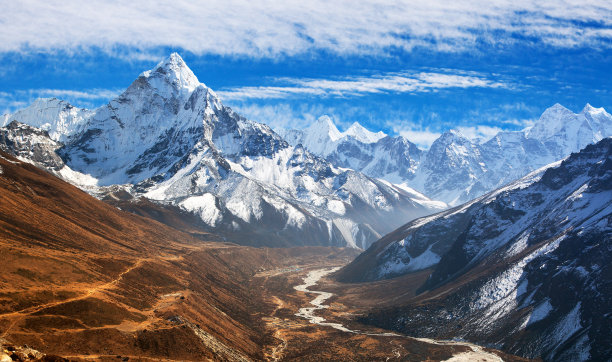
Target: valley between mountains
(133,289)
(165,226)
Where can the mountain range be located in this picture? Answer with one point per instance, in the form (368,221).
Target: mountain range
(168,138)
(456,169)
(515,255)
(525,268)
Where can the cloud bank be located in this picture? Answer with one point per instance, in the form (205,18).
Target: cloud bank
(88,98)
(269,28)
(351,86)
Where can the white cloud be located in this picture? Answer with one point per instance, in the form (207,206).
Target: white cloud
(88,98)
(479,133)
(389,83)
(283,115)
(91,94)
(523,123)
(270,28)
(421,137)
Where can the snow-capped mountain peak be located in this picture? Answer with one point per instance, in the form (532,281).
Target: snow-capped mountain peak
(599,120)
(170,139)
(55,116)
(324,126)
(552,122)
(320,136)
(362,134)
(174,72)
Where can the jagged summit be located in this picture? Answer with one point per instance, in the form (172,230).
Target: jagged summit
(172,71)
(588,108)
(320,136)
(551,122)
(452,136)
(362,134)
(59,118)
(325,126)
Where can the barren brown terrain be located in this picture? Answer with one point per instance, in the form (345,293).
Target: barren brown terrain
(83,280)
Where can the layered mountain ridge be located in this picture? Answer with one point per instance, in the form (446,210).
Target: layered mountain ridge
(456,169)
(525,268)
(169,138)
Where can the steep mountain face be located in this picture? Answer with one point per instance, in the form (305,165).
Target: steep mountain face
(452,169)
(35,146)
(59,118)
(525,268)
(455,169)
(169,138)
(394,159)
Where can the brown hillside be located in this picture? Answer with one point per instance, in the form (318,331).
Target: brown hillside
(80,277)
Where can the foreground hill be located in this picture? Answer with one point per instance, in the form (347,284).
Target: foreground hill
(80,277)
(525,268)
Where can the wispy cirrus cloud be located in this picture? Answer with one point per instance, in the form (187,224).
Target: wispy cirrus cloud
(10,102)
(91,94)
(404,82)
(269,28)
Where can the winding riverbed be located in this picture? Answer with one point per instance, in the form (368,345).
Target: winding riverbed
(313,277)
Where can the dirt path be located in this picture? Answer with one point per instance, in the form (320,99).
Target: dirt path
(20,314)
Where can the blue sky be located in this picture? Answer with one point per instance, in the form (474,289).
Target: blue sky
(410,68)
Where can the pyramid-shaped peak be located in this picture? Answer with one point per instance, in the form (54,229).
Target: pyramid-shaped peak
(325,120)
(322,131)
(172,70)
(174,61)
(552,121)
(556,109)
(454,134)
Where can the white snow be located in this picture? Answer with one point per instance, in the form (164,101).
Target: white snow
(205,206)
(540,312)
(508,281)
(57,117)
(396,265)
(336,206)
(76,178)
(361,134)
(569,325)
(424,260)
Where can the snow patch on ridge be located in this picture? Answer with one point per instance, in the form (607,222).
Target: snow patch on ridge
(205,206)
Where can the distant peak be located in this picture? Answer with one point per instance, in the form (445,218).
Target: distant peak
(552,121)
(556,108)
(590,109)
(356,128)
(325,120)
(454,133)
(324,126)
(362,134)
